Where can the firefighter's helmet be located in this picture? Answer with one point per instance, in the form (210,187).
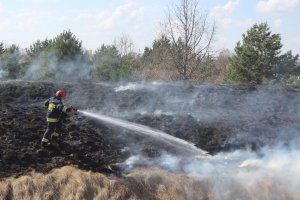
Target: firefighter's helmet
(60,93)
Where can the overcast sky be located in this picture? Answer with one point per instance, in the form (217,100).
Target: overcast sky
(95,22)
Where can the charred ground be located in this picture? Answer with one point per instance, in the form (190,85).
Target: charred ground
(95,146)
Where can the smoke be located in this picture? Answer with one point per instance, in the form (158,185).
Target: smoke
(270,174)
(11,63)
(44,65)
(208,102)
(48,67)
(3,73)
(152,86)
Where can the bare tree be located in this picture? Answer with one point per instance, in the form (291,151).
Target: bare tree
(191,35)
(124,44)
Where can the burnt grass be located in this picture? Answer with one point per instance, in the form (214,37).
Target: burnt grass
(92,145)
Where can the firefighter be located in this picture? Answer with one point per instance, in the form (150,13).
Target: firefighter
(55,114)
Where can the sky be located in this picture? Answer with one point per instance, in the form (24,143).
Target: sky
(97,22)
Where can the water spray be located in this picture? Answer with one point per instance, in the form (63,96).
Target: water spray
(147,131)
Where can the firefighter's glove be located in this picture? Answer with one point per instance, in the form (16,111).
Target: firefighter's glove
(74,109)
(71,109)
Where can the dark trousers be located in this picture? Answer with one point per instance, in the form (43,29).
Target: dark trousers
(51,127)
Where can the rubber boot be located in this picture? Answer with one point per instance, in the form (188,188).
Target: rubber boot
(45,142)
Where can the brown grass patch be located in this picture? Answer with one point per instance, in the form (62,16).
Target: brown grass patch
(70,182)
(64,183)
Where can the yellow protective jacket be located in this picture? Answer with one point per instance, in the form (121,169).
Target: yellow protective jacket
(55,109)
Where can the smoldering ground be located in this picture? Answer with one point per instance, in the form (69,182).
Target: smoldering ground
(243,116)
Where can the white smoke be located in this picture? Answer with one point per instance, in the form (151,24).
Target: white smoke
(272,174)
(45,64)
(48,67)
(3,73)
(139,86)
(129,86)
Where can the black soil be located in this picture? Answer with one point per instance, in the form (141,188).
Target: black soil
(95,146)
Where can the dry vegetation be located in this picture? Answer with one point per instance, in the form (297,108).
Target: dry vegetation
(72,183)
(69,182)
(64,183)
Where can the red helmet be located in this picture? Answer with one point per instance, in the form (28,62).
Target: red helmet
(60,93)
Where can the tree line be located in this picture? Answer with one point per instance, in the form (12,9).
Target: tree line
(182,52)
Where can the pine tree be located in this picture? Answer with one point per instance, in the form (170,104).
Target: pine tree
(255,57)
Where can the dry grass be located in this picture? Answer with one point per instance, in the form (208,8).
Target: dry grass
(161,184)
(64,183)
(72,183)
